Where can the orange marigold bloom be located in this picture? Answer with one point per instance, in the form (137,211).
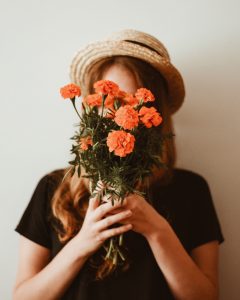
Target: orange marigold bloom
(120,97)
(93,100)
(105,87)
(109,101)
(130,99)
(149,116)
(144,94)
(127,117)
(121,94)
(121,142)
(110,114)
(70,91)
(85,142)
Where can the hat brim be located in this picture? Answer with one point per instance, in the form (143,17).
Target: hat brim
(93,52)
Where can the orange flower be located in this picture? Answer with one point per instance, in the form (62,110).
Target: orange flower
(70,91)
(120,97)
(109,101)
(144,94)
(121,142)
(105,87)
(130,99)
(110,114)
(85,142)
(93,100)
(127,117)
(149,116)
(121,94)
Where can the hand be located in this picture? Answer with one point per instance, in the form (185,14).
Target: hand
(144,219)
(94,230)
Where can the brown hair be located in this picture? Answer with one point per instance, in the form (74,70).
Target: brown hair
(70,199)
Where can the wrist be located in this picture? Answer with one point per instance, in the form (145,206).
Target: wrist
(158,231)
(77,250)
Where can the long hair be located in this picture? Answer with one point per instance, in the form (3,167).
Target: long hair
(70,198)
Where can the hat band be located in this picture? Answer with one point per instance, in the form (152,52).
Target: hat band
(146,46)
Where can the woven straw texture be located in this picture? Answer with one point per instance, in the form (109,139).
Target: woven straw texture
(150,50)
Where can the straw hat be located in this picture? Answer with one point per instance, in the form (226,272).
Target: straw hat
(134,43)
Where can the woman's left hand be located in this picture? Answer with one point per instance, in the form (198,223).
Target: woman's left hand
(145,219)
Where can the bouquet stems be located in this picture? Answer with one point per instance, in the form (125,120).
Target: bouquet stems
(113,251)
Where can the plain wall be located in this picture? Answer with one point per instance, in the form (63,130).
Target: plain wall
(38,41)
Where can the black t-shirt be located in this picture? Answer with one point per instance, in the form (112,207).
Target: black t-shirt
(187,205)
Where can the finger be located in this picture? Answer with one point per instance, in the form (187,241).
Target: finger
(113,231)
(106,222)
(107,198)
(124,221)
(99,186)
(104,208)
(115,211)
(96,195)
(93,202)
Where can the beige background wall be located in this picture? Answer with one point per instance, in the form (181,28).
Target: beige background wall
(38,40)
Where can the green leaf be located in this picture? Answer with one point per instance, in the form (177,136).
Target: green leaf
(79,170)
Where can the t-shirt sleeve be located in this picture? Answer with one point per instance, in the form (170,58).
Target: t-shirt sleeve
(204,222)
(33,223)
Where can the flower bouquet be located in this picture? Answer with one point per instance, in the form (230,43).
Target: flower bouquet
(117,143)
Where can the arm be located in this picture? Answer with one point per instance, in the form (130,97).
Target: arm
(37,278)
(40,278)
(192,277)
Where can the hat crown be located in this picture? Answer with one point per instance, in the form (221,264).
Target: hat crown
(130,42)
(142,38)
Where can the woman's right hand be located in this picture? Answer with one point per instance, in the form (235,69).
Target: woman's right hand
(94,230)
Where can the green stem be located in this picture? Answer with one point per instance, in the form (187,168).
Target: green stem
(103,100)
(73,102)
(67,173)
(121,239)
(115,257)
(120,254)
(110,248)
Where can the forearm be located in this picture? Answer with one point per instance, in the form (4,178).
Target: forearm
(185,279)
(53,280)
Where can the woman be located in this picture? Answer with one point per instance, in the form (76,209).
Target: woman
(172,244)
